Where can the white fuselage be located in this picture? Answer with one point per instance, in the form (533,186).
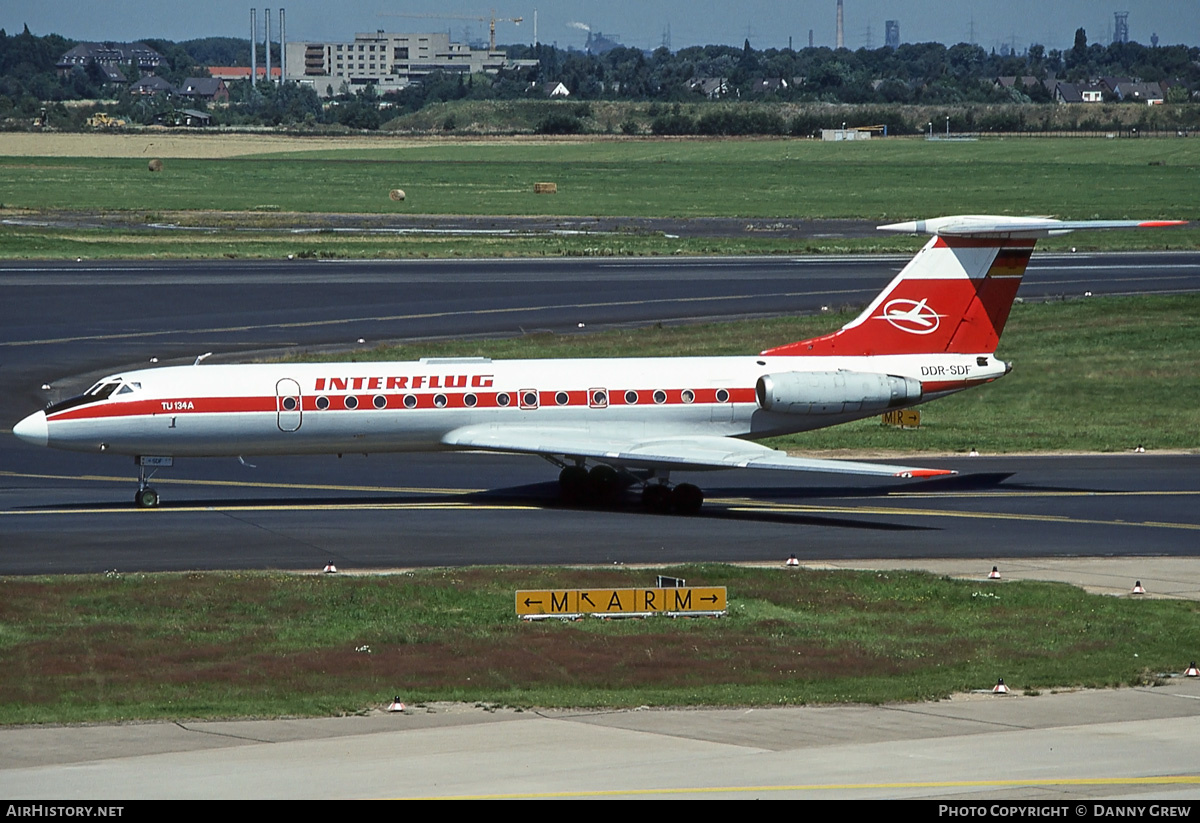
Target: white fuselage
(322,408)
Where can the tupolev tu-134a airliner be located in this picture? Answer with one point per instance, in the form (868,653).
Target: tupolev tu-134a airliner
(609,424)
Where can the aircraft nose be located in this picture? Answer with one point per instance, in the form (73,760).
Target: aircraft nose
(33,429)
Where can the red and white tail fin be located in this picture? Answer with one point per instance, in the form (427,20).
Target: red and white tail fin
(955,295)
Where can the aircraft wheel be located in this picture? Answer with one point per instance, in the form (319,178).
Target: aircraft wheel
(605,483)
(146,498)
(573,483)
(657,498)
(687,498)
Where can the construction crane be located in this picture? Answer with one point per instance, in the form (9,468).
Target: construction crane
(491,21)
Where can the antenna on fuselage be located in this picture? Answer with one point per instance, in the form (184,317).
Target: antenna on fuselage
(201,357)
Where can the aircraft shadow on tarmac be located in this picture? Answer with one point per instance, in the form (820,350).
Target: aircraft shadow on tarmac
(721,505)
(546,495)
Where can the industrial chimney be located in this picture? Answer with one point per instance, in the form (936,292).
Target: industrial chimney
(267,18)
(282,49)
(253,48)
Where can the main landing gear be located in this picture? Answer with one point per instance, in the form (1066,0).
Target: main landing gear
(604,485)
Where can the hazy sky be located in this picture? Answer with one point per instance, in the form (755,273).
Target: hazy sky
(639,23)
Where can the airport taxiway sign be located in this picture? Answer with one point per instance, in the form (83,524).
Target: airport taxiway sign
(615,602)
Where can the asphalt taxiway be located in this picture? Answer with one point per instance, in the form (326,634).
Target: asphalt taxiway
(64,324)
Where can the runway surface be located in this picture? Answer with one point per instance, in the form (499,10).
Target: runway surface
(65,324)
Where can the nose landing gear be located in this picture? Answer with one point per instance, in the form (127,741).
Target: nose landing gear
(147,496)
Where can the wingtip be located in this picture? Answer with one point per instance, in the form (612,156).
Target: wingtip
(1161,224)
(922,473)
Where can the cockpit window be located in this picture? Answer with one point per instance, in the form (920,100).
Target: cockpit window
(101,391)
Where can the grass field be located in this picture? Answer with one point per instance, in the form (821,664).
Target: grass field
(116,647)
(275,189)
(894,179)
(29,242)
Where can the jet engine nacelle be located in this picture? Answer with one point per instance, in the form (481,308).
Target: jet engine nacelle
(835,392)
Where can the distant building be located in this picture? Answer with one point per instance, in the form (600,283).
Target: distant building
(599,42)
(387,61)
(228,73)
(183,117)
(111,55)
(711,87)
(891,37)
(838,135)
(150,85)
(211,89)
(1149,93)
(1121,29)
(768,85)
(1078,93)
(1023,83)
(1128,89)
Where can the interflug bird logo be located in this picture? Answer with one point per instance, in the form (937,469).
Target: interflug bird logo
(911,316)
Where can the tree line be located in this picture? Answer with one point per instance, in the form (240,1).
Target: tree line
(914,74)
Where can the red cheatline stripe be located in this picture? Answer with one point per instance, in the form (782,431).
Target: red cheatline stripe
(576,398)
(201,405)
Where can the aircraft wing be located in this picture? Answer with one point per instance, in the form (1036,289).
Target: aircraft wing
(681,452)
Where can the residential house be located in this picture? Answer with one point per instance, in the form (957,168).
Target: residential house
(768,85)
(150,85)
(551,90)
(1022,83)
(209,89)
(711,87)
(1077,93)
(1149,93)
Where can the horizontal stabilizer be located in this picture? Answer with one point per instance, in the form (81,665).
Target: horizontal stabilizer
(979,225)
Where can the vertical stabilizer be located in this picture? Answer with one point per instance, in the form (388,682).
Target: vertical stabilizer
(954,296)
